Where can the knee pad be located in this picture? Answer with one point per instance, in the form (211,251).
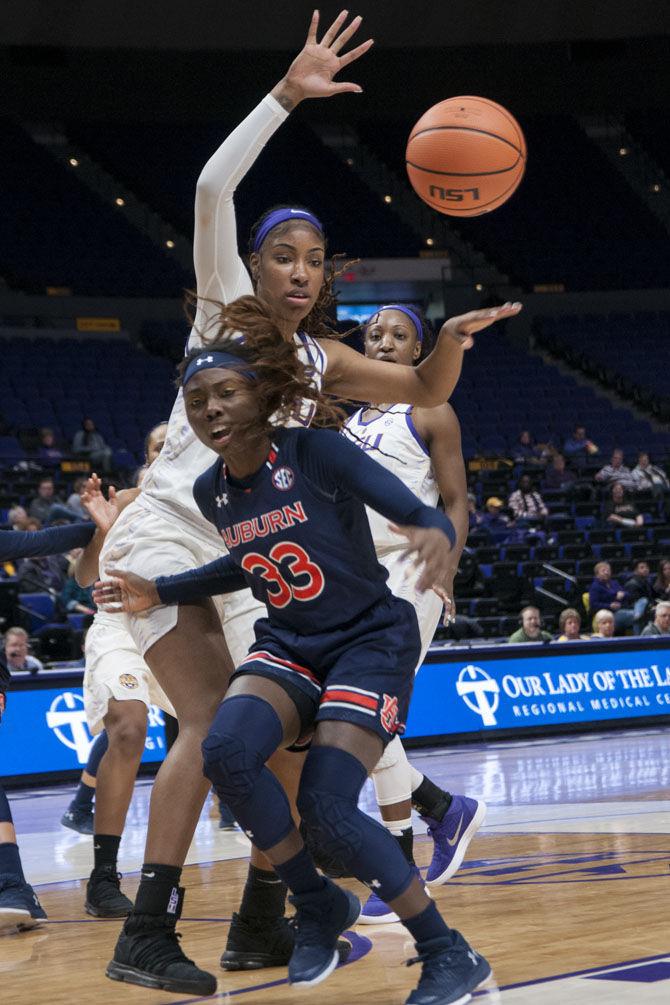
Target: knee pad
(245,732)
(328,803)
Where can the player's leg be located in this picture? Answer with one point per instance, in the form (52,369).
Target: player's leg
(192,665)
(337,766)
(126,727)
(79,814)
(258,716)
(19,905)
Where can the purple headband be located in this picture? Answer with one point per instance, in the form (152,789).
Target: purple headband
(278,216)
(211,360)
(408,312)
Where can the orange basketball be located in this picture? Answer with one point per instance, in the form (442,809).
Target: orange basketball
(466,156)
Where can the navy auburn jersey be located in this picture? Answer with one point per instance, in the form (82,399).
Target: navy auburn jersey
(297,532)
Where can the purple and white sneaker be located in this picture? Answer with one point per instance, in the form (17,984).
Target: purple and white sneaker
(376,912)
(451,836)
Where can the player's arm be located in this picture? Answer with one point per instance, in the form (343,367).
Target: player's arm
(125,591)
(220,272)
(441,430)
(334,464)
(104,513)
(351,375)
(16,544)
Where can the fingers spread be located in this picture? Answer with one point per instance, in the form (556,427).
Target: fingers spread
(344,37)
(331,33)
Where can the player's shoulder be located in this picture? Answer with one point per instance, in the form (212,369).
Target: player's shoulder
(204,489)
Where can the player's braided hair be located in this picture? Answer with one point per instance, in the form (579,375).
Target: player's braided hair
(245,329)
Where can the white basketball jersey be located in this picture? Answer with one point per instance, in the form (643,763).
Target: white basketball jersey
(391,438)
(167,488)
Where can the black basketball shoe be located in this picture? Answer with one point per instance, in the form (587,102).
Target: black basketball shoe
(148,953)
(257,943)
(103,894)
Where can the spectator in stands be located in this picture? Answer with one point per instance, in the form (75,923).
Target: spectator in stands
(649,476)
(474,516)
(661,623)
(17,656)
(41,575)
(557,475)
(577,448)
(40,506)
(90,444)
(616,472)
(49,452)
(661,584)
(531,628)
(76,599)
(619,509)
(569,625)
(494,520)
(607,593)
(74,503)
(527,503)
(603,625)
(527,451)
(640,593)
(17,518)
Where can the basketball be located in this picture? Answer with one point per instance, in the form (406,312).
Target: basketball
(466,156)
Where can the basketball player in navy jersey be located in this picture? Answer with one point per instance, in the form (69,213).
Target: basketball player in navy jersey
(335,654)
(422,447)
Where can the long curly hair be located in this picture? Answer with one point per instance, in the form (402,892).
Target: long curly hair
(283,384)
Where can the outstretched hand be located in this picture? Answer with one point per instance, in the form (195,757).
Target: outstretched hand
(311,73)
(124,591)
(102,511)
(463,327)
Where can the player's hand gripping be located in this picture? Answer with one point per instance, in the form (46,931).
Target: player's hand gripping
(463,327)
(311,73)
(102,511)
(124,591)
(430,550)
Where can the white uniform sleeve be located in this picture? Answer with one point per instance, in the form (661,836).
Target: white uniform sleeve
(220,272)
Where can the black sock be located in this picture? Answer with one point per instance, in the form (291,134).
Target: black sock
(264,896)
(158,892)
(430,801)
(406,841)
(429,924)
(105,850)
(83,797)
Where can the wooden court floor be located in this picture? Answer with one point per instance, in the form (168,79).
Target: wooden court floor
(535,905)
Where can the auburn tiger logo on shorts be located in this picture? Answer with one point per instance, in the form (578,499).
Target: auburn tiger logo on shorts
(129,681)
(389,713)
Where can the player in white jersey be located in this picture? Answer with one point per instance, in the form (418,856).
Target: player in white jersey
(119,690)
(163,532)
(423,448)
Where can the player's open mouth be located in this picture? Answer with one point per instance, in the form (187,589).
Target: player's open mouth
(220,435)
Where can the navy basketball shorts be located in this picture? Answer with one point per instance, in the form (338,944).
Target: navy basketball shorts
(362,672)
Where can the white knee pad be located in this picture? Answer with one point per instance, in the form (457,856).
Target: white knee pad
(392,775)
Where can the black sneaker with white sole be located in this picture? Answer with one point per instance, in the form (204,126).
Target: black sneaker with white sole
(103,894)
(258,943)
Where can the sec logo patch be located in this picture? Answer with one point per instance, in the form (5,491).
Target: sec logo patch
(129,681)
(283,479)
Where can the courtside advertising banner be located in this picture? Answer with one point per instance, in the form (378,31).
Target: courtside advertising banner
(45,730)
(538,686)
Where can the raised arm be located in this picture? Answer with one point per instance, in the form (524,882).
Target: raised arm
(38,543)
(431,383)
(220,272)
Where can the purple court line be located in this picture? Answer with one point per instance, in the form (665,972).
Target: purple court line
(560,977)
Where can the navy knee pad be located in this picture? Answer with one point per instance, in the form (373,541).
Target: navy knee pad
(328,804)
(97,752)
(245,732)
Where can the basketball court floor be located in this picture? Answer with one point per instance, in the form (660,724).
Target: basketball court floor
(566,889)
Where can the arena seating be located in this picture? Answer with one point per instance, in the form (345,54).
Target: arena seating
(161,166)
(57,233)
(626,351)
